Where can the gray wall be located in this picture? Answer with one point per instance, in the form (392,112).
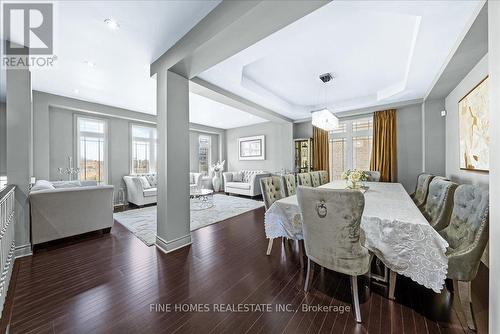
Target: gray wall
(53,129)
(409,145)
(3,139)
(435,137)
(478,73)
(302,130)
(194,145)
(279,147)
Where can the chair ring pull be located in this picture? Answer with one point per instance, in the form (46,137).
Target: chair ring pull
(321,209)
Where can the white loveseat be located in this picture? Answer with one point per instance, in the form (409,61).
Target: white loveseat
(244,182)
(64,209)
(142,189)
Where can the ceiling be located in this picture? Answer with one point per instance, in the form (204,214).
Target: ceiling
(122,57)
(380,52)
(206,111)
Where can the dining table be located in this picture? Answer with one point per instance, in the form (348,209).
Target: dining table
(392,228)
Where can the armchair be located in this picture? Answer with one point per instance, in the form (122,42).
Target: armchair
(467,236)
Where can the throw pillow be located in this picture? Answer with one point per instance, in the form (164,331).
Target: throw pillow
(144,182)
(67,184)
(237,177)
(152,179)
(42,185)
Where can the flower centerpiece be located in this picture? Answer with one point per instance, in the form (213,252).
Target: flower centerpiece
(217,168)
(354,177)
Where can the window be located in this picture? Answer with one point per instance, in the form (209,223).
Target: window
(204,154)
(92,149)
(143,149)
(351,146)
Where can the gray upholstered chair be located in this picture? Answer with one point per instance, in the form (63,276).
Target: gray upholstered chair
(467,236)
(439,204)
(304,179)
(315,179)
(289,184)
(331,223)
(272,191)
(422,189)
(323,177)
(373,175)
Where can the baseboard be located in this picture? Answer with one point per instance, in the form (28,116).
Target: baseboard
(21,251)
(172,245)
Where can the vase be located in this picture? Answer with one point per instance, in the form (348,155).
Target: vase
(353,184)
(216,182)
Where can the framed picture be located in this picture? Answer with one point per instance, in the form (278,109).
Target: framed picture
(252,148)
(474,123)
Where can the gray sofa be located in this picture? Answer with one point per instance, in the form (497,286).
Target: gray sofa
(69,209)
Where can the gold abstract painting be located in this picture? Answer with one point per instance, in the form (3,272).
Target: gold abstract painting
(474,122)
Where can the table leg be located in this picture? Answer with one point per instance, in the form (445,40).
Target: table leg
(392,283)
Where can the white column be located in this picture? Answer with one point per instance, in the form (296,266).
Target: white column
(19,143)
(494,69)
(173,229)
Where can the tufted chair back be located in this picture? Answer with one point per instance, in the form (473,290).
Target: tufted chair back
(271,190)
(439,203)
(304,179)
(331,221)
(467,233)
(373,175)
(315,179)
(323,177)
(289,185)
(422,188)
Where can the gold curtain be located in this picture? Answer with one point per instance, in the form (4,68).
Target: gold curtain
(384,145)
(320,149)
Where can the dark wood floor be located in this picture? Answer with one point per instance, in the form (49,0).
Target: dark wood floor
(107,284)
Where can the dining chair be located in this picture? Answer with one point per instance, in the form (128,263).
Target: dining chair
(421,189)
(304,179)
(289,184)
(439,204)
(315,179)
(373,175)
(272,191)
(467,236)
(331,221)
(323,177)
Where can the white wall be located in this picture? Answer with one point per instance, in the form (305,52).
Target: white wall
(494,66)
(478,73)
(3,139)
(279,147)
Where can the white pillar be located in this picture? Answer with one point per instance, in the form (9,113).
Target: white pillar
(494,69)
(173,229)
(19,143)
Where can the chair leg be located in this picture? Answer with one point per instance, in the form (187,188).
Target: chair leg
(308,275)
(269,246)
(355,297)
(392,283)
(462,289)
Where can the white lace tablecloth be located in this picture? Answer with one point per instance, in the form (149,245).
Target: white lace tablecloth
(395,231)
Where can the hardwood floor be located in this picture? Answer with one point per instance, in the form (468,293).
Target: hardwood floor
(107,284)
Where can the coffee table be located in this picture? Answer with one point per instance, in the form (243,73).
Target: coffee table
(201,199)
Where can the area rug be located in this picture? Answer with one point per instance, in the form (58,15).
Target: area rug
(142,222)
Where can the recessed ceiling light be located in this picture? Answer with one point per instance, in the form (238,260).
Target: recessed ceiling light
(90,63)
(76,90)
(112,24)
